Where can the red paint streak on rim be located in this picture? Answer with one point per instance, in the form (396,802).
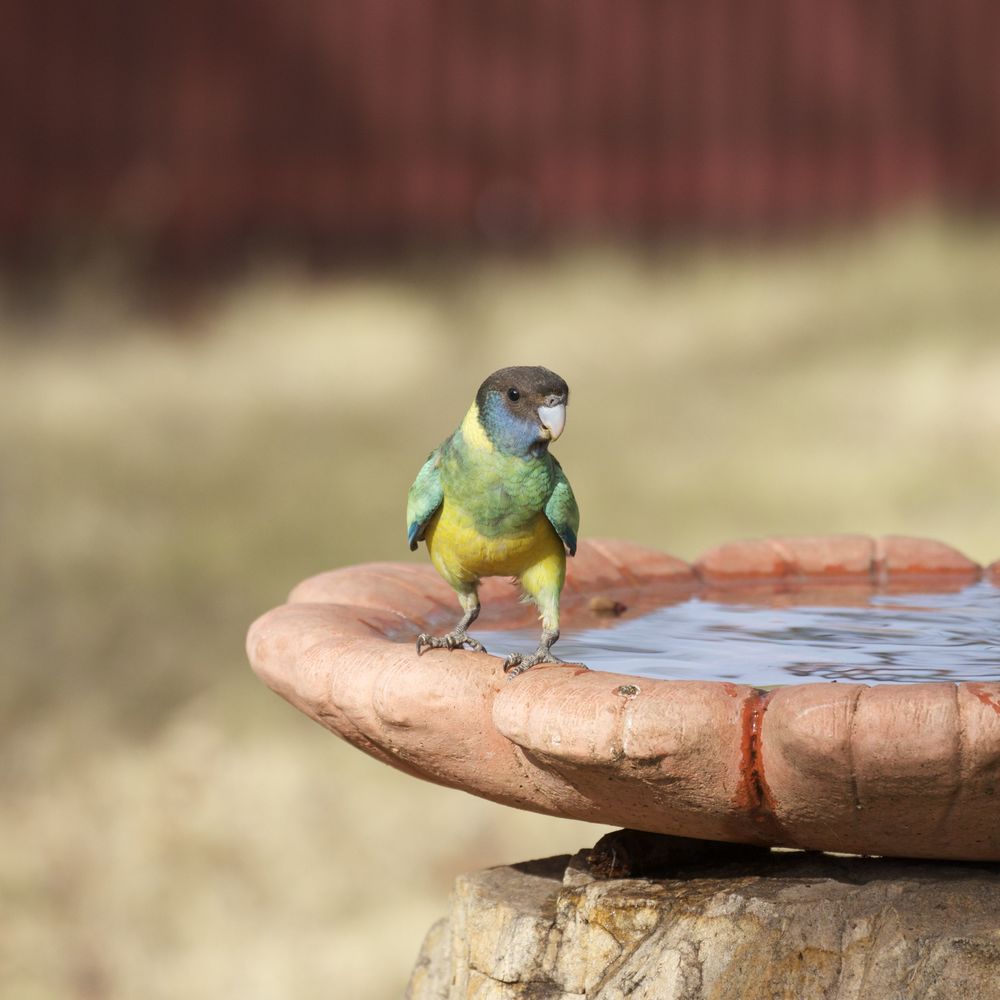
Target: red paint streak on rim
(754,795)
(984,697)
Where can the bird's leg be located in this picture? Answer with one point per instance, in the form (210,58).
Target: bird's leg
(457,637)
(517,664)
(543,584)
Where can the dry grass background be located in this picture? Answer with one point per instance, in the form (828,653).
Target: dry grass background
(170,828)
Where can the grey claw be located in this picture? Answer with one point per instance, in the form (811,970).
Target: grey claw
(453,640)
(512,662)
(517,664)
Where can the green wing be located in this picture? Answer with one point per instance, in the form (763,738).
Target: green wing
(562,511)
(424,498)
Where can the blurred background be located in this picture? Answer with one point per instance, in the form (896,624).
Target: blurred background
(256,257)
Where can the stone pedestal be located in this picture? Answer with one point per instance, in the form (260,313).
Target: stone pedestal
(783,925)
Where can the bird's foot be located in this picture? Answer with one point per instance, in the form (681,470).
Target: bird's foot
(516,663)
(453,640)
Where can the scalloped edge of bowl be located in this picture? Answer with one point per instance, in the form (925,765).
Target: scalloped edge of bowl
(907,770)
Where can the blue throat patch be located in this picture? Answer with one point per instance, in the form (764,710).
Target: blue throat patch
(508,433)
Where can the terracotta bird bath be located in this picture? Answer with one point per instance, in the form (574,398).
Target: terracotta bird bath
(907,770)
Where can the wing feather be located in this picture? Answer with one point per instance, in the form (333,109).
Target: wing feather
(424,498)
(562,511)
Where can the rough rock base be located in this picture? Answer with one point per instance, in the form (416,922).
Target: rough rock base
(789,925)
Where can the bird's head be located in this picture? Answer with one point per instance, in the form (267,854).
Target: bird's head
(522,409)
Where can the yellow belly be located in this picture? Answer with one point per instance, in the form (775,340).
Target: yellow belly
(462,555)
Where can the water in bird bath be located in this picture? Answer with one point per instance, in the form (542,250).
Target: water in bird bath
(767,641)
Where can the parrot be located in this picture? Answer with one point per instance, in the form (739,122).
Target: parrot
(492,500)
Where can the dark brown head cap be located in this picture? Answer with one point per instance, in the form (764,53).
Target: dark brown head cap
(532,385)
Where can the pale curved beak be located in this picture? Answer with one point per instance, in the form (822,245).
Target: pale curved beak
(553,419)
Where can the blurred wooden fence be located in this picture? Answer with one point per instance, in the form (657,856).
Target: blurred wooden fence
(197,125)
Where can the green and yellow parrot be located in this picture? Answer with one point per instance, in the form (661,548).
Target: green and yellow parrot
(492,501)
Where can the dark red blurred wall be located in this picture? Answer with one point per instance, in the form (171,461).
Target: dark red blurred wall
(197,125)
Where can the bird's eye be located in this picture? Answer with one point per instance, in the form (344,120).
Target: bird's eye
(513,395)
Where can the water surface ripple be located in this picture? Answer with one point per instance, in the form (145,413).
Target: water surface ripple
(893,638)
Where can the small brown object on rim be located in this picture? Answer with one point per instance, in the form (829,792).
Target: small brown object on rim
(601,604)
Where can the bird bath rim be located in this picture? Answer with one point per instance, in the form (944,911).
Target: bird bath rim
(905,769)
